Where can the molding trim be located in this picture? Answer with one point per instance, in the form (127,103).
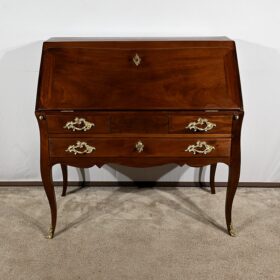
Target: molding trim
(137,183)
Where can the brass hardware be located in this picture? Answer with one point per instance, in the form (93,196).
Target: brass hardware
(231,231)
(41,117)
(80,145)
(50,233)
(236,117)
(200,121)
(79,121)
(137,59)
(197,148)
(139,146)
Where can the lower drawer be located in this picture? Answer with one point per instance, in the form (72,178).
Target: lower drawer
(142,147)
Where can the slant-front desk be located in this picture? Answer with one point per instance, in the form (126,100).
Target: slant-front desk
(139,103)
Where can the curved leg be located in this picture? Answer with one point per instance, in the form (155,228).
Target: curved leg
(200,174)
(234,172)
(46,173)
(212,177)
(64,175)
(82,170)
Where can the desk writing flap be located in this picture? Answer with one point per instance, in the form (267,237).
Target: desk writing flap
(117,77)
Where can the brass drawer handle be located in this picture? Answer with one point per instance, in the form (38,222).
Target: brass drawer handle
(197,125)
(86,125)
(80,145)
(139,146)
(201,147)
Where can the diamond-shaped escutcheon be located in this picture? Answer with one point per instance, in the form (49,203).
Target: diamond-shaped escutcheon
(137,59)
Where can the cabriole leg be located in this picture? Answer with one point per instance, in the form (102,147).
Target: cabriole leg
(82,170)
(46,173)
(212,177)
(64,175)
(234,172)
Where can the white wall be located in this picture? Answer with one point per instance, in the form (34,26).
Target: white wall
(255,25)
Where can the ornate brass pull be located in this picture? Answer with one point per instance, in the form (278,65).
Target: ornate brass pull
(79,121)
(137,59)
(200,121)
(80,145)
(201,147)
(139,146)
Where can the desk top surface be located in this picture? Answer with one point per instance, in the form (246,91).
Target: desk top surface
(79,39)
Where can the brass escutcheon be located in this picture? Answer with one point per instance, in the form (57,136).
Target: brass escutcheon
(139,146)
(137,59)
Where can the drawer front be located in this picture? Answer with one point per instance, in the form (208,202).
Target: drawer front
(139,123)
(78,123)
(189,124)
(139,147)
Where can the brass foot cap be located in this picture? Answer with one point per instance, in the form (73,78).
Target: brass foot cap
(50,234)
(231,231)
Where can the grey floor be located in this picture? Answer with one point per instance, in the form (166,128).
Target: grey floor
(135,233)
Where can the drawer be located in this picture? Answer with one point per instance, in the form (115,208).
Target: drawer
(78,123)
(132,122)
(200,124)
(139,147)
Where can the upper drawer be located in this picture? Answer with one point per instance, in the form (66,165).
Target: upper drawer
(200,124)
(139,78)
(78,123)
(135,122)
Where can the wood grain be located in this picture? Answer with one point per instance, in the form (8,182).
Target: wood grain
(167,78)
(125,147)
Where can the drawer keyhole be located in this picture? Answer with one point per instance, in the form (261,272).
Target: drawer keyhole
(137,59)
(139,146)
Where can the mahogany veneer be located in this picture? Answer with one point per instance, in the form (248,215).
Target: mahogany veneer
(139,103)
